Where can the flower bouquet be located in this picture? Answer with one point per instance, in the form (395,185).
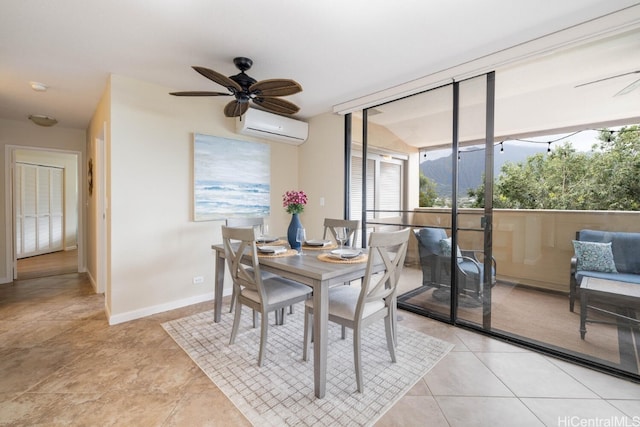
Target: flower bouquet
(294,201)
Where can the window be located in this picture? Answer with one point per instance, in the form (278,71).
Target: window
(385,189)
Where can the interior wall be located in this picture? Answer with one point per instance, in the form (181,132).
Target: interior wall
(155,246)
(322,172)
(27,134)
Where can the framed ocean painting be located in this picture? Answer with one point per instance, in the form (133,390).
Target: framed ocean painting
(232,178)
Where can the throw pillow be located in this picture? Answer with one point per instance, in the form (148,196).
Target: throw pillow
(594,256)
(445,248)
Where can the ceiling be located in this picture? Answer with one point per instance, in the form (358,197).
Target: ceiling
(337,50)
(582,86)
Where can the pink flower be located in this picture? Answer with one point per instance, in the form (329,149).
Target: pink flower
(294,201)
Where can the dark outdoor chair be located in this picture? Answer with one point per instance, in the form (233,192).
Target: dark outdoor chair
(435,251)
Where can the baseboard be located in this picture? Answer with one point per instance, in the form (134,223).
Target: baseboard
(94,285)
(148,311)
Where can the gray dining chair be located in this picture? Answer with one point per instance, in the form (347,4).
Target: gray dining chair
(352,226)
(376,299)
(262,295)
(256,223)
(245,223)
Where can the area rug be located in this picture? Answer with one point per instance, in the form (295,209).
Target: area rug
(281,392)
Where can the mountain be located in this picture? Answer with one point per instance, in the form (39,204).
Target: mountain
(471,167)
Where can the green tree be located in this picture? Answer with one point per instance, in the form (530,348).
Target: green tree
(428,192)
(604,179)
(616,165)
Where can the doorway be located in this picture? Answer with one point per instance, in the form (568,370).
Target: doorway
(48,259)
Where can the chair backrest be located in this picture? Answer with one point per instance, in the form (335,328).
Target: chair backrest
(429,240)
(390,249)
(245,222)
(352,226)
(239,242)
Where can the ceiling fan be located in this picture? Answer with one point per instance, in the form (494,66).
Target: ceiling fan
(625,90)
(264,93)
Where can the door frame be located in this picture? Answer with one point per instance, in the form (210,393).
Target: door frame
(100,188)
(11,259)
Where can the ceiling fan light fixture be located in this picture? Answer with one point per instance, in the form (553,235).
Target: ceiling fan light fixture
(38,87)
(42,120)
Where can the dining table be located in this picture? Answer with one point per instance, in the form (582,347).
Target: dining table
(308,268)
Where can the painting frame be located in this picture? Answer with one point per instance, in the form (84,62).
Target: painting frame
(231,178)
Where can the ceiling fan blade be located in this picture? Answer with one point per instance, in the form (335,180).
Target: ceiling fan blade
(275,87)
(607,78)
(199,93)
(629,88)
(221,79)
(235,108)
(277,105)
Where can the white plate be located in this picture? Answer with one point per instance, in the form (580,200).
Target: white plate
(266,239)
(271,249)
(317,242)
(346,253)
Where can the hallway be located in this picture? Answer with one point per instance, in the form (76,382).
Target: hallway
(51,264)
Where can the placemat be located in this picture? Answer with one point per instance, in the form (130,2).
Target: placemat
(320,248)
(356,260)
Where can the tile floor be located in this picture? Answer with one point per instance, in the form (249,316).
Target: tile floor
(61,364)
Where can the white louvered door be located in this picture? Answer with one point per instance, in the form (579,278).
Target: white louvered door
(39,209)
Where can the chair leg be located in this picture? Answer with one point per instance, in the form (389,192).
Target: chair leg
(255,318)
(357,360)
(394,323)
(572,294)
(236,323)
(344,332)
(391,340)
(279,316)
(264,320)
(307,333)
(233,300)
(291,309)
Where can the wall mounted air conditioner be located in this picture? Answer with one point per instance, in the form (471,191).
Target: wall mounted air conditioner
(272,126)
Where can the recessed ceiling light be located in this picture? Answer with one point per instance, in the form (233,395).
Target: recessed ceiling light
(38,87)
(42,120)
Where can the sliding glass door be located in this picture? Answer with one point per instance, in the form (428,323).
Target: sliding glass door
(504,172)
(473,127)
(449,221)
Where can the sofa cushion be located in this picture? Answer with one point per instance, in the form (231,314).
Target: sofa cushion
(624,245)
(594,256)
(445,248)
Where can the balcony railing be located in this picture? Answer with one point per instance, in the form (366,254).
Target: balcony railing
(531,247)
